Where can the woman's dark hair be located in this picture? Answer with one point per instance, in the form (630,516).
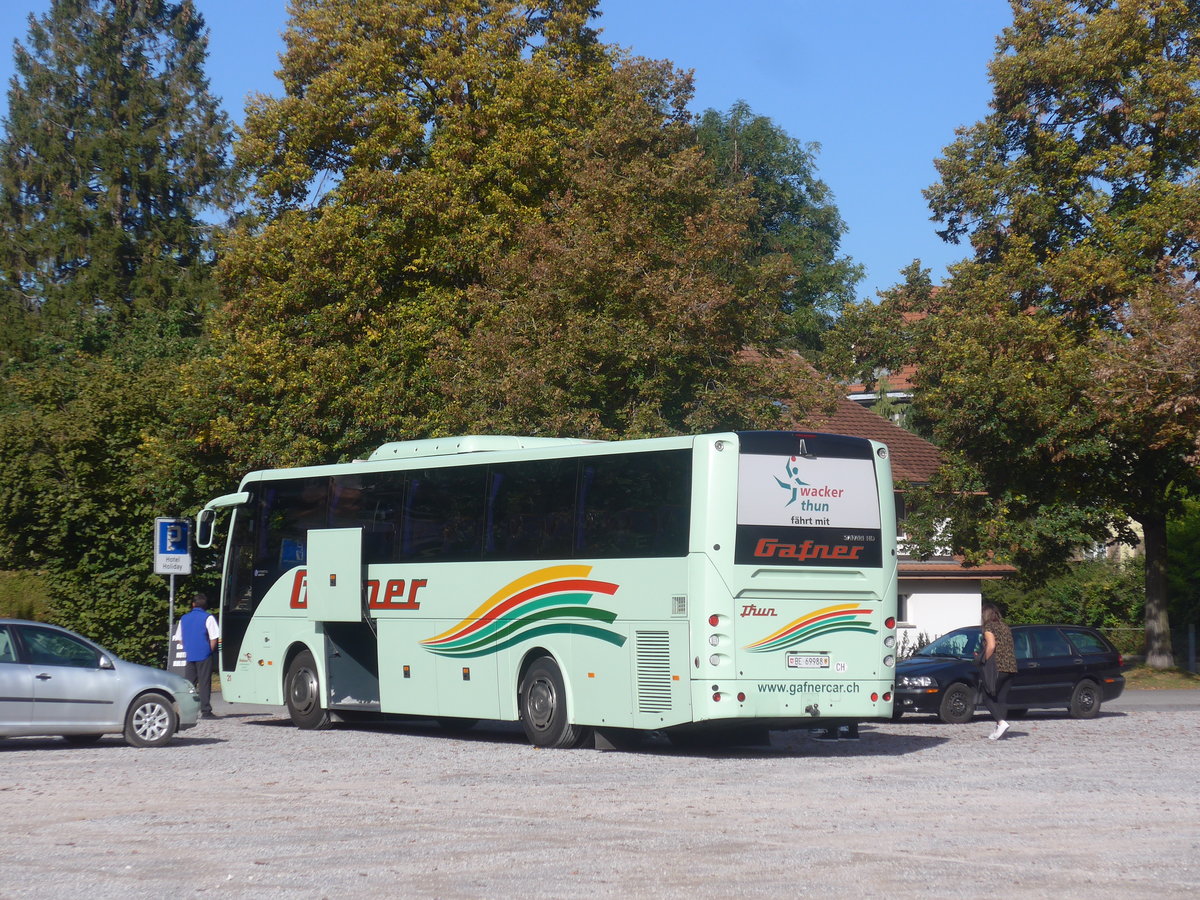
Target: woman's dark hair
(990,614)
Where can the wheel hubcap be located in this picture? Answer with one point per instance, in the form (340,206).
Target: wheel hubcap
(303,691)
(541,705)
(150,721)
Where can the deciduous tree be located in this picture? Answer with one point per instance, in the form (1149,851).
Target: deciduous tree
(1077,193)
(795,214)
(476,216)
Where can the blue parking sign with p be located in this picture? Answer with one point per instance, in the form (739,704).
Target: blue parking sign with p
(172,546)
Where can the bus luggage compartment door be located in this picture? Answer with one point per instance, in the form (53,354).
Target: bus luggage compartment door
(335,574)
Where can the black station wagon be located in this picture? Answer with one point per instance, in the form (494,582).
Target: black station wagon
(1057,666)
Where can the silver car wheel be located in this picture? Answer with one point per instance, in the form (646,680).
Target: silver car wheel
(151,722)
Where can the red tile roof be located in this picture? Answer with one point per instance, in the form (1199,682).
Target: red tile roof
(914,459)
(952,568)
(901,381)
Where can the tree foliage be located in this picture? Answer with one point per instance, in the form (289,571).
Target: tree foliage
(795,215)
(1079,196)
(112,151)
(113,148)
(1183,541)
(1097,593)
(477,217)
(463,216)
(626,309)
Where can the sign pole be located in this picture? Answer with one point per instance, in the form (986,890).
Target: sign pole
(170,618)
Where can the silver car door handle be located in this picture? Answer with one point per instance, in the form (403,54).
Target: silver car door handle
(44,677)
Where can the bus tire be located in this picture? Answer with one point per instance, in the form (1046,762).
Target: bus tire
(542,700)
(302,691)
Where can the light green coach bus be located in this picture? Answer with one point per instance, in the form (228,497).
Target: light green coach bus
(700,586)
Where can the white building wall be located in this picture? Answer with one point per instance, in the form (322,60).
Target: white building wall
(931,607)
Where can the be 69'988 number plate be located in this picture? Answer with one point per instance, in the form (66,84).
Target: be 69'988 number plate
(807,661)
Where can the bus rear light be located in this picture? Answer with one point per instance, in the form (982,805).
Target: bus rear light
(714,660)
(741,696)
(714,620)
(889,622)
(887,696)
(874,697)
(717,697)
(889,641)
(889,660)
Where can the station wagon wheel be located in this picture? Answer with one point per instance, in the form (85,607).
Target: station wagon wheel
(1085,700)
(302,691)
(958,704)
(542,699)
(151,721)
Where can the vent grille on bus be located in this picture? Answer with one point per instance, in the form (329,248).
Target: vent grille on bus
(653,671)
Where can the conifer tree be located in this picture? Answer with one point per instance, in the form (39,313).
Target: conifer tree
(113,153)
(113,148)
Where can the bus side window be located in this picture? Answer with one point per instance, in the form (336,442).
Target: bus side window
(443,514)
(372,502)
(635,504)
(530,510)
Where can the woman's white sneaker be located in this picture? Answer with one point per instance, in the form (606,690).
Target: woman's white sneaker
(1001,727)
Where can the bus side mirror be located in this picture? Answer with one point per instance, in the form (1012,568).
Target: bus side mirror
(204,527)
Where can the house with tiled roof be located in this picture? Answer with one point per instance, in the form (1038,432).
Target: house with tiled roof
(938,594)
(895,386)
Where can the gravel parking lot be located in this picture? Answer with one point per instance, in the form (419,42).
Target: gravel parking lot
(246,805)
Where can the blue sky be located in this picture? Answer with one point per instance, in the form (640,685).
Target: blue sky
(880,85)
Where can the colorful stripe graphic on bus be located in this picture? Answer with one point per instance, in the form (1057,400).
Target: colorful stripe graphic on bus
(549,601)
(829,620)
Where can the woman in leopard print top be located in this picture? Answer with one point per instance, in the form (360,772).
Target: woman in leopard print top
(999,666)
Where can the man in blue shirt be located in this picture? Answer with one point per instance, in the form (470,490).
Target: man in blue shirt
(198,632)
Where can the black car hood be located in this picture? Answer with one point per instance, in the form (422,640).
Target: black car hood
(933,665)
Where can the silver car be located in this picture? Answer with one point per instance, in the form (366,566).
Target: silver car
(52,681)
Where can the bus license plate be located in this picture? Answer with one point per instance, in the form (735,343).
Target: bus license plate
(807,661)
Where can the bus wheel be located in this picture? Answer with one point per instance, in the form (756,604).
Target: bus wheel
(543,703)
(302,688)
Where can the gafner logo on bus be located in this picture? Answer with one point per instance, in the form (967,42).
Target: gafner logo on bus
(769,547)
(548,601)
